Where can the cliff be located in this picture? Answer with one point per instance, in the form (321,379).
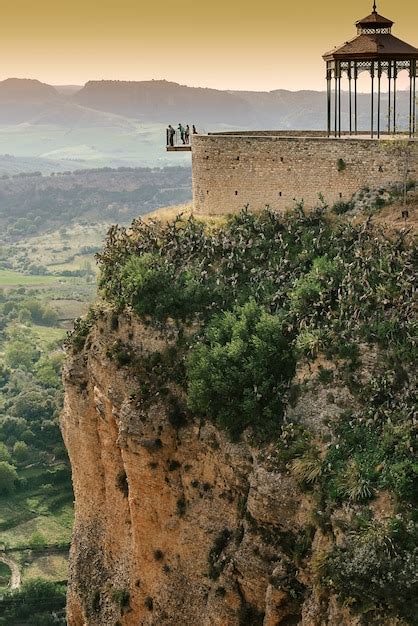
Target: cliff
(177,524)
(180,517)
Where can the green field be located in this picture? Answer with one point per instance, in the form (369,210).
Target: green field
(47,336)
(11,278)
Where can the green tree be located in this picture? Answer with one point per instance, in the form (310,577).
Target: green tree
(48,369)
(8,477)
(24,316)
(33,404)
(40,312)
(20,354)
(238,374)
(4,375)
(20,451)
(4,453)
(34,601)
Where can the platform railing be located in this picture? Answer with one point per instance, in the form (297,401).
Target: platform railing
(178,141)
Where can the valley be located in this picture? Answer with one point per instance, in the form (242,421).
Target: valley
(52,227)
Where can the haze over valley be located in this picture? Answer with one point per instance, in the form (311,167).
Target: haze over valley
(117,123)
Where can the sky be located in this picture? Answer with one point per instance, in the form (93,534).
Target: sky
(225,44)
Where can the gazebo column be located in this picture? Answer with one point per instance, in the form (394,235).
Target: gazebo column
(329,77)
(389,94)
(350,115)
(372,100)
(379,76)
(395,76)
(355,96)
(414,106)
(411,98)
(335,101)
(339,99)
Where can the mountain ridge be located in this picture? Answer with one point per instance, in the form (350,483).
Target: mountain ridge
(162,101)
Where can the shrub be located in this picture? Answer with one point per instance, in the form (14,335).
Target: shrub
(315,287)
(181,506)
(238,374)
(342,206)
(121,353)
(250,616)
(4,453)
(122,483)
(38,541)
(82,326)
(8,478)
(220,543)
(121,597)
(145,279)
(307,468)
(21,451)
(354,484)
(341,165)
(375,568)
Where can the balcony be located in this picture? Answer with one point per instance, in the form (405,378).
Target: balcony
(175,142)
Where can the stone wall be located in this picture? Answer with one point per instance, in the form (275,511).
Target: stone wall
(234,170)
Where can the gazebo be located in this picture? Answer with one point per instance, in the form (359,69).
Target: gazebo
(376,51)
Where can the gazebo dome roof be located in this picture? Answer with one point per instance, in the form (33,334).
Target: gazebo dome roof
(375,20)
(373,47)
(373,42)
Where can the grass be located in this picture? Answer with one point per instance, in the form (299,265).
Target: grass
(69,309)
(55,527)
(47,335)
(10,278)
(34,510)
(167,214)
(62,249)
(49,567)
(78,262)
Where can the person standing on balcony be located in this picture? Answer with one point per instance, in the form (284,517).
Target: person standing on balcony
(181,129)
(170,135)
(187,134)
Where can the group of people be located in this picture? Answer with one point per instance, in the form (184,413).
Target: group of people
(184,132)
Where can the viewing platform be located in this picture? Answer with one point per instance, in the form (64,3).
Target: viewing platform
(179,148)
(179,140)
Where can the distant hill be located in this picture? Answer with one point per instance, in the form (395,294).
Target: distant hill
(23,99)
(68,89)
(119,123)
(30,101)
(32,90)
(119,103)
(159,101)
(163,101)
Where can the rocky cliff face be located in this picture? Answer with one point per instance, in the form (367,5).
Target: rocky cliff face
(174,523)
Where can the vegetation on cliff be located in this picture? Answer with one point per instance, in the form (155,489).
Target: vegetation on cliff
(250,302)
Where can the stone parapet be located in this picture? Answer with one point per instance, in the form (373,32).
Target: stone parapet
(252,168)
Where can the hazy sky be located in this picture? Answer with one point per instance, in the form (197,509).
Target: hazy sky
(228,44)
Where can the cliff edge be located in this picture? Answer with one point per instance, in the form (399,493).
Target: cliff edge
(239,427)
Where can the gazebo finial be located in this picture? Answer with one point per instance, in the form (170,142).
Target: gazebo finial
(374,6)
